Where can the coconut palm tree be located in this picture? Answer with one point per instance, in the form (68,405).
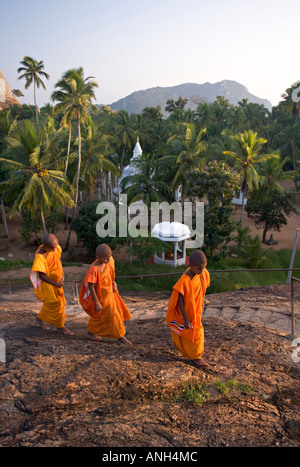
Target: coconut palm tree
(62,96)
(75,99)
(33,70)
(188,154)
(96,148)
(247,157)
(7,125)
(124,130)
(271,173)
(147,184)
(32,182)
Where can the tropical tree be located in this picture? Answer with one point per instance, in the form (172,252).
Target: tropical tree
(236,119)
(271,173)
(17,92)
(96,149)
(253,252)
(63,95)
(217,182)
(247,157)
(32,182)
(189,154)
(7,125)
(291,101)
(146,184)
(123,127)
(32,71)
(271,212)
(172,105)
(75,100)
(291,104)
(288,140)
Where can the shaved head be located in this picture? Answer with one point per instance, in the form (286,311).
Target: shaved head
(103,250)
(197,258)
(50,240)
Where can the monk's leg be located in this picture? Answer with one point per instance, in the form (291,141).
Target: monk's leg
(65,331)
(192,350)
(94,337)
(41,324)
(123,340)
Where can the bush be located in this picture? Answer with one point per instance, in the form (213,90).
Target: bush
(85,228)
(145,247)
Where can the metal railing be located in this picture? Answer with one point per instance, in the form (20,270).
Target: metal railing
(293,332)
(291,280)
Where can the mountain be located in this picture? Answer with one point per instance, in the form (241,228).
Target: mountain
(6,96)
(196,93)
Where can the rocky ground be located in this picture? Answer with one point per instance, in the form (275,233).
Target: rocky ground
(71,391)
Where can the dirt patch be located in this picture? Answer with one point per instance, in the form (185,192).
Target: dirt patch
(70,391)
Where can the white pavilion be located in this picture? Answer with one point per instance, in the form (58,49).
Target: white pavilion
(176,233)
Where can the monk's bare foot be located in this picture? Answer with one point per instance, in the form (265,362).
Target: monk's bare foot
(201,363)
(94,337)
(65,331)
(125,341)
(41,324)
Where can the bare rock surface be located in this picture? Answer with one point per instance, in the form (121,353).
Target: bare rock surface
(60,390)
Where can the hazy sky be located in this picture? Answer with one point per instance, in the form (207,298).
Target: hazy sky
(130,45)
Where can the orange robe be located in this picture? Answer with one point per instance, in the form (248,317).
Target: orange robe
(110,321)
(190,342)
(53,309)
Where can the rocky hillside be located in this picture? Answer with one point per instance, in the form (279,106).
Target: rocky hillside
(196,93)
(71,391)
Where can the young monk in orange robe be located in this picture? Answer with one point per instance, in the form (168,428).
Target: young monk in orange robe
(185,309)
(47,278)
(100,299)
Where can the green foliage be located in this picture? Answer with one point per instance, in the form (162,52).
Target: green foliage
(256,257)
(33,180)
(218,182)
(85,227)
(193,393)
(224,387)
(172,106)
(8,264)
(32,225)
(145,247)
(271,212)
(23,112)
(243,233)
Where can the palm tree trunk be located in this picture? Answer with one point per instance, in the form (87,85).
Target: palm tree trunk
(43,221)
(69,146)
(77,185)
(66,167)
(243,206)
(293,153)
(36,112)
(4,218)
(79,164)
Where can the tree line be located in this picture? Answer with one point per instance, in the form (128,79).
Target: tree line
(54,158)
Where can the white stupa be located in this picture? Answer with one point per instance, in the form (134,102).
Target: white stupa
(129,170)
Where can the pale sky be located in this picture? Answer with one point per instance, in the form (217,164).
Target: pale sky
(130,45)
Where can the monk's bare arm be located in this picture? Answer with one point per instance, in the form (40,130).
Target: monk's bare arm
(63,273)
(186,321)
(98,305)
(47,279)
